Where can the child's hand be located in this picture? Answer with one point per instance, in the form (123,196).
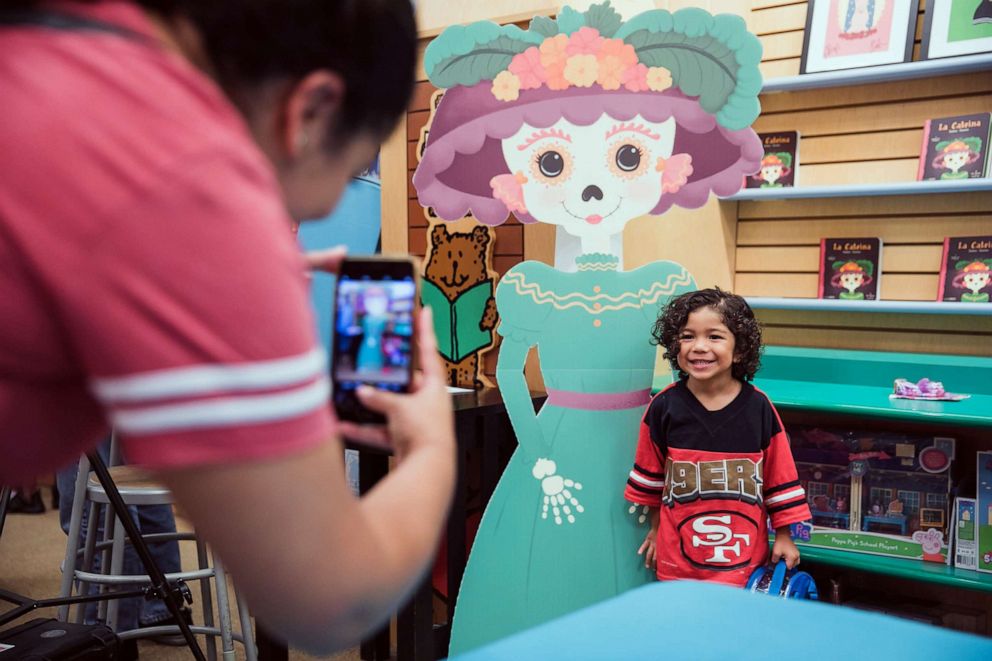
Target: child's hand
(785,548)
(649,547)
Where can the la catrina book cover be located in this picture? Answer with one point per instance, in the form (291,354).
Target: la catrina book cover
(850,269)
(955,148)
(780,162)
(966,269)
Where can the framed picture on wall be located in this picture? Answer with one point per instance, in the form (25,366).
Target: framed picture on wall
(957,27)
(848,34)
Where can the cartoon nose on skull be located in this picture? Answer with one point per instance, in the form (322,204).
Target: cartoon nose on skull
(592,192)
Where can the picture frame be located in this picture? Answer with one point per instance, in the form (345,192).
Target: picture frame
(952,29)
(852,34)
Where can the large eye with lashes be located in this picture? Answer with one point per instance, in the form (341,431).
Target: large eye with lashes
(551,164)
(628,158)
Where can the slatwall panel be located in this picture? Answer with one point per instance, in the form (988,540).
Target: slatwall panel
(858,134)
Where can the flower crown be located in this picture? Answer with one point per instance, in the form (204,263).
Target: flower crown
(962,144)
(780,158)
(859,266)
(974,267)
(713,58)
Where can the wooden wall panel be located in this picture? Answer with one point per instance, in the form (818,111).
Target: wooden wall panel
(868,207)
(852,135)
(912,258)
(896,229)
(434,16)
(895,286)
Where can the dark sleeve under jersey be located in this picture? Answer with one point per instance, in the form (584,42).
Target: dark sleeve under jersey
(646,481)
(784,497)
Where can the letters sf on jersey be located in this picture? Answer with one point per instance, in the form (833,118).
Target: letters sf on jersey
(721,539)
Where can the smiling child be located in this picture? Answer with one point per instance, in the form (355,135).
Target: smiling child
(713,462)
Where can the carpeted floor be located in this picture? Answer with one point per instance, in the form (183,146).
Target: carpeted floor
(31,551)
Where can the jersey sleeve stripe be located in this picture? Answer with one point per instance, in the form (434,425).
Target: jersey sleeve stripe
(646,473)
(798,492)
(781,487)
(223,412)
(657,484)
(643,489)
(200,380)
(778,508)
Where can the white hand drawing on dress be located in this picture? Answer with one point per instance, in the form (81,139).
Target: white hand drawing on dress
(644,512)
(558,496)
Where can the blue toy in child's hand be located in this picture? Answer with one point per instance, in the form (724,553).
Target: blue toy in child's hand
(779,581)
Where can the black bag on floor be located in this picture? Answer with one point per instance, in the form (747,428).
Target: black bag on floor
(50,640)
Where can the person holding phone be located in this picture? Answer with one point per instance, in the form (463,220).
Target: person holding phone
(155,157)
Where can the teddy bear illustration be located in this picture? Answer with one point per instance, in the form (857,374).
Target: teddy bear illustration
(458,285)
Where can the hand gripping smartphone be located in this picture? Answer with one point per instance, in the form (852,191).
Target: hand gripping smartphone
(374,306)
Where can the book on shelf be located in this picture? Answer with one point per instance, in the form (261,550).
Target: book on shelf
(850,268)
(966,269)
(780,163)
(955,148)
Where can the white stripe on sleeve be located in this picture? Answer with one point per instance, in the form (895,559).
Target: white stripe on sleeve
(201,380)
(787,495)
(222,412)
(657,484)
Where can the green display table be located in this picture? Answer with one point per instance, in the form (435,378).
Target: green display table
(917,570)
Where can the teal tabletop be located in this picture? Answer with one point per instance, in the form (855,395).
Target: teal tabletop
(689,620)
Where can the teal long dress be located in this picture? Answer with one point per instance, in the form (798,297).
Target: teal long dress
(534,560)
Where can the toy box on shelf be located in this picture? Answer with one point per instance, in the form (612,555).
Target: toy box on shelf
(965,522)
(983,496)
(875,492)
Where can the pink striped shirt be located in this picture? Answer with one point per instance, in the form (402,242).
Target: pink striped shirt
(149,279)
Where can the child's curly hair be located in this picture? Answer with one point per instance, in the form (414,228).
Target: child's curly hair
(736,315)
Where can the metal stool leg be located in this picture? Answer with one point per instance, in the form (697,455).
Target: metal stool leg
(72,544)
(224,611)
(89,553)
(116,569)
(203,562)
(251,654)
(106,554)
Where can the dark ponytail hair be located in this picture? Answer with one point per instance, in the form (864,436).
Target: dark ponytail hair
(371,44)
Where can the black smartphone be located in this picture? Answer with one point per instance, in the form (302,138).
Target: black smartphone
(374,305)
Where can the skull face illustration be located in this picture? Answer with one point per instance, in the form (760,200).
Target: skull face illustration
(592,180)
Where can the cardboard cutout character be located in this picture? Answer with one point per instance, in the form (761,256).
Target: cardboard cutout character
(584,122)
(458,285)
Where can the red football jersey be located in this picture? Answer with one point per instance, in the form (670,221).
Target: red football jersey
(717,476)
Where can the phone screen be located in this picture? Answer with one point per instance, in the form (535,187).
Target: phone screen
(373,335)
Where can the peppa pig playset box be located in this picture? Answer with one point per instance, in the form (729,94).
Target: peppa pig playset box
(983,512)
(882,493)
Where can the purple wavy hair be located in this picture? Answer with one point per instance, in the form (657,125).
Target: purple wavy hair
(463,151)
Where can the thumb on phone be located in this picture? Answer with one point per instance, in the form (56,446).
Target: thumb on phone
(328,260)
(376,400)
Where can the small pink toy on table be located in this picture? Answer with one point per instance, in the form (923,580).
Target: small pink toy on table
(923,389)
